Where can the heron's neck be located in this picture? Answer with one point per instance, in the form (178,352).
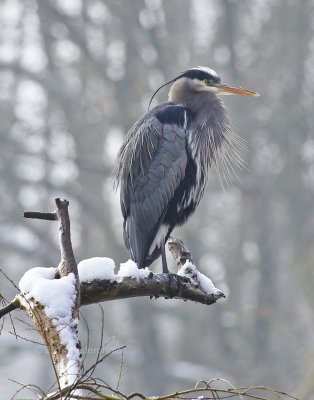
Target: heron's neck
(208,131)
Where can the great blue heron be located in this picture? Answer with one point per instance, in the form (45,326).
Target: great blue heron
(162,165)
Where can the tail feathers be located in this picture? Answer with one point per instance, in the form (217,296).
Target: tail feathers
(150,259)
(138,244)
(134,240)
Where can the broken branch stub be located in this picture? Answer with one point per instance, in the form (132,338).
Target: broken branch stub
(67,263)
(179,251)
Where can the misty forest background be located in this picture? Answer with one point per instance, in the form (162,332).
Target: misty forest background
(74,76)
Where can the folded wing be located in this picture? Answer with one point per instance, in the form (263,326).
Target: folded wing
(151,165)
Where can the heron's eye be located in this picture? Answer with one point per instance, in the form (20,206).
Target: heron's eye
(208,82)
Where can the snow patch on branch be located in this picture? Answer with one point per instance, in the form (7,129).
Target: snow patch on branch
(130,269)
(57,296)
(29,280)
(97,268)
(103,268)
(198,279)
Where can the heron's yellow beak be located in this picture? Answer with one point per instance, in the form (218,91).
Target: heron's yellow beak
(225,89)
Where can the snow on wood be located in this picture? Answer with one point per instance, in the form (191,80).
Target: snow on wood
(198,279)
(56,295)
(40,287)
(97,268)
(130,269)
(102,268)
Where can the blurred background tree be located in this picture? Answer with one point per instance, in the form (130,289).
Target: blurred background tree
(74,76)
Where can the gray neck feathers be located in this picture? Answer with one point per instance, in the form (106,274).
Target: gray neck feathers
(208,139)
(208,133)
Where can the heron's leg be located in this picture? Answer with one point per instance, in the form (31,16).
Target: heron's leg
(165,269)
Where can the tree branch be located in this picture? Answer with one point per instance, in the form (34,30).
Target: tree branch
(186,287)
(59,328)
(67,264)
(7,309)
(40,215)
(168,286)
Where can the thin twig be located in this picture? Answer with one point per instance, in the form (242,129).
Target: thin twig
(49,216)
(7,309)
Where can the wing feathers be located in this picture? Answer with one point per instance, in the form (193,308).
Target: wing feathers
(149,181)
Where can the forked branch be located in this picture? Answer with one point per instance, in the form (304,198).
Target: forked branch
(56,316)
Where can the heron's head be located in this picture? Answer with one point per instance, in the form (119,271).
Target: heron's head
(204,79)
(193,85)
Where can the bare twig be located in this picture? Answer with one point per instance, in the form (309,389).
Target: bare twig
(7,309)
(51,216)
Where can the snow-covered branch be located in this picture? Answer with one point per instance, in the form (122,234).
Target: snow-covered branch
(100,283)
(187,284)
(51,297)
